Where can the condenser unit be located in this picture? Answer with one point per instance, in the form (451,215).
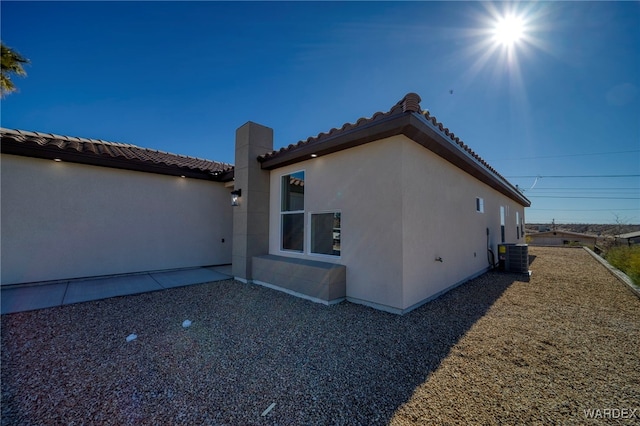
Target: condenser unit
(513,258)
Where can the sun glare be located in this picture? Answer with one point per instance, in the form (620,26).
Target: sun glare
(504,35)
(508,30)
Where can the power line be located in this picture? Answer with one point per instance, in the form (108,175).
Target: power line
(587,189)
(566,155)
(571,176)
(580,210)
(587,197)
(572,191)
(585,193)
(593,192)
(632,191)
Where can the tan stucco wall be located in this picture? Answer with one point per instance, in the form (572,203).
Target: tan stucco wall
(64,220)
(440,221)
(364,184)
(402,207)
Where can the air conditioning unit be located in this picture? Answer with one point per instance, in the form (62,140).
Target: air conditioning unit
(513,258)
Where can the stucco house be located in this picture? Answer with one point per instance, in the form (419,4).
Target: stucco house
(561,238)
(390,211)
(77,207)
(630,238)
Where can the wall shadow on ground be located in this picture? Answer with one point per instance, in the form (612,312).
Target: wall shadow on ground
(388,358)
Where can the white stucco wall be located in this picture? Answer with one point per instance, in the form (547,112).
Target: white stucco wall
(402,207)
(64,220)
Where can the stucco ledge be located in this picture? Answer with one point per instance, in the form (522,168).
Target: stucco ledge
(320,282)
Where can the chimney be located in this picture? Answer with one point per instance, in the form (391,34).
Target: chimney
(251,215)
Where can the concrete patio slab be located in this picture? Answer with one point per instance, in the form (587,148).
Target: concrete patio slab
(223,269)
(171,279)
(102,288)
(29,298)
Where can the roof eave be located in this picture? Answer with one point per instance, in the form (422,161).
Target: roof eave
(423,132)
(379,129)
(410,124)
(25,149)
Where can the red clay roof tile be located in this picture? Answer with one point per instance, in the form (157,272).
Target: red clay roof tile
(115,154)
(409,104)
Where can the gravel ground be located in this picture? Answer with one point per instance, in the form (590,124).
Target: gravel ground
(500,349)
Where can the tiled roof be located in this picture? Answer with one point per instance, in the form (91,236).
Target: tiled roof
(410,102)
(109,154)
(363,129)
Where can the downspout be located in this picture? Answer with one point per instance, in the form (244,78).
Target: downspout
(491,257)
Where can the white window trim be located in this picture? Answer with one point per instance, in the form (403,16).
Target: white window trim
(282,213)
(308,240)
(479,205)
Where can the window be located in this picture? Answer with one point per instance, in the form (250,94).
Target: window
(480,205)
(325,233)
(292,211)
(518,225)
(502,219)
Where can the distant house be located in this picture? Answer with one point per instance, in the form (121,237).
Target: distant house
(629,238)
(561,238)
(390,211)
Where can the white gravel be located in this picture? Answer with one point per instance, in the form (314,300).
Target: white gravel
(498,349)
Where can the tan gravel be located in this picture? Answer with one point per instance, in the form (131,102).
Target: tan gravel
(547,350)
(500,349)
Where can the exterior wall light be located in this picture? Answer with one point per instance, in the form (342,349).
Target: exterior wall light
(234,197)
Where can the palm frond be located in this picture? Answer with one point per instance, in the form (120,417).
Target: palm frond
(11,62)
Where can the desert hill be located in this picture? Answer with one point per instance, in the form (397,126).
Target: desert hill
(584,228)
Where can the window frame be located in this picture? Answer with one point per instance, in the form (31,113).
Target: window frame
(503,219)
(284,213)
(310,251)
(479,205)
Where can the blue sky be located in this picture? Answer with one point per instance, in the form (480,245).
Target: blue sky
(558,112)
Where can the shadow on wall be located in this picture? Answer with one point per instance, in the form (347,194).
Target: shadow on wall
(249,347)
